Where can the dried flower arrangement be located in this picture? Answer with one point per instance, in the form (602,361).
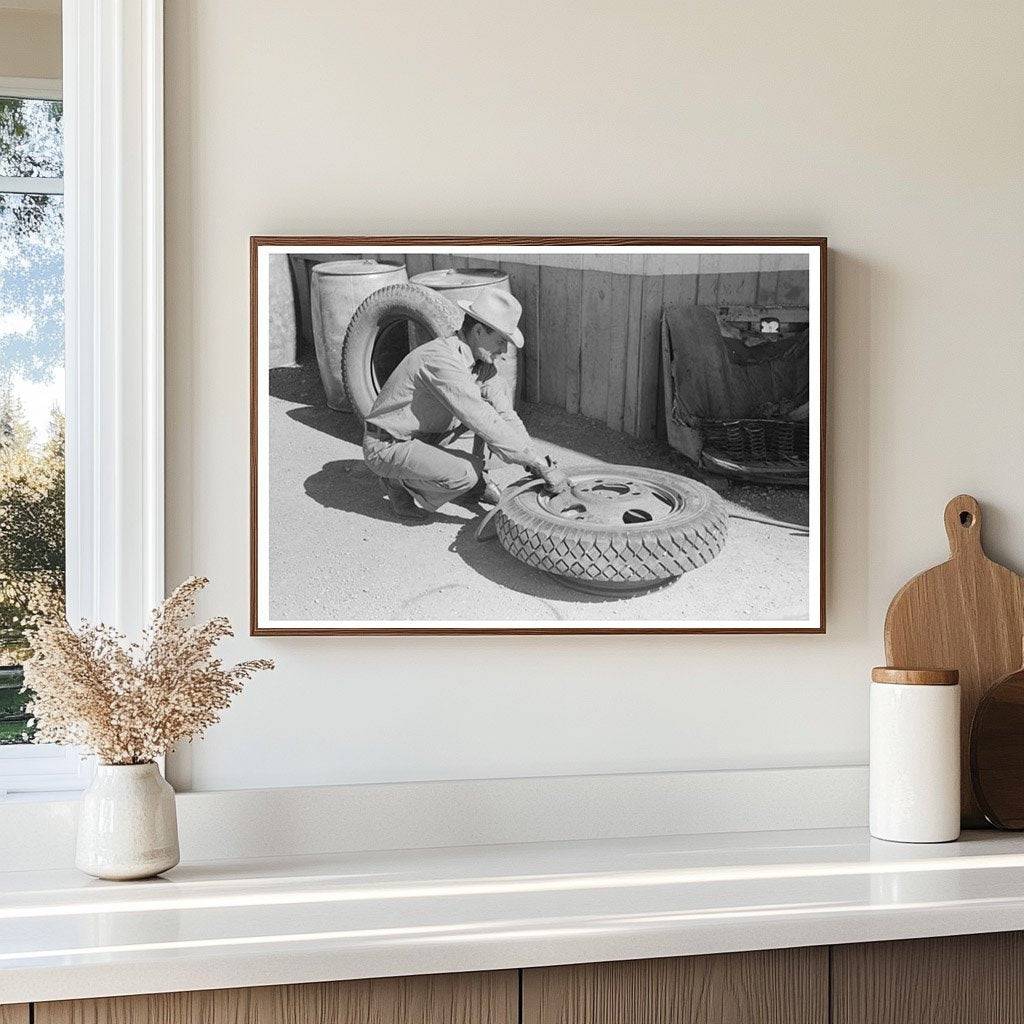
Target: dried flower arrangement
(130,703)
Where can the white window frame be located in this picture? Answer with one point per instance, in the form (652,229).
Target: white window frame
(31,89)
(114,325)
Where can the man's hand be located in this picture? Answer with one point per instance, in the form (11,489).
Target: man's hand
(554,479)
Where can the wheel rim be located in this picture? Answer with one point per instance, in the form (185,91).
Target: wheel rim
(612,499)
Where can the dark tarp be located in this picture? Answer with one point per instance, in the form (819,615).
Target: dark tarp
(720,378)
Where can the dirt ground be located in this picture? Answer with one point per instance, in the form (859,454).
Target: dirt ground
(336,553)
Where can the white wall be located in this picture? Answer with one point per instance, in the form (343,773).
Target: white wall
(895,129)
(30,39)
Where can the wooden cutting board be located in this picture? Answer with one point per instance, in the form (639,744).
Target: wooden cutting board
(967,614)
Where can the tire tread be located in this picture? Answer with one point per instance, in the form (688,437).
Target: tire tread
(652,553)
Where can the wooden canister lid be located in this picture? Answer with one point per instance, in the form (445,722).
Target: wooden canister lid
(916,676)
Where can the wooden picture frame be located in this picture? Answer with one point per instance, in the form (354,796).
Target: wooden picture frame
(743,295)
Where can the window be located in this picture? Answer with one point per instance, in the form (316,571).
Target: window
(92,170)
(32,549)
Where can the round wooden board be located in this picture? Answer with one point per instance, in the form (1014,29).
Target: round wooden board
(997,753)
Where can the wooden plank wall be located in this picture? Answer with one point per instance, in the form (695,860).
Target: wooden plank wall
(592,324)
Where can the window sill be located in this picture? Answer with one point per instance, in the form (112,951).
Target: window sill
(44,771)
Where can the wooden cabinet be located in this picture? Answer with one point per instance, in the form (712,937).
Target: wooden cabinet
(777,986)
(962,979)
(491,998)
(970,979)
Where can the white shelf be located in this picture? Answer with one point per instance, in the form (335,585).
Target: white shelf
(351,915)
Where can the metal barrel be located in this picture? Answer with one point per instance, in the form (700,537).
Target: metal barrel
(468,284)
(336,291)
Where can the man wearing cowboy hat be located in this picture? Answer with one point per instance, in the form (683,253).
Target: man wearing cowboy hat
(438,391)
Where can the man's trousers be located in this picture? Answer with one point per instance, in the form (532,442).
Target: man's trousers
(433,474)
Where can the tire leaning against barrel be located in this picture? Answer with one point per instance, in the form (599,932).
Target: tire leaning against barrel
(436,314)
(611,557)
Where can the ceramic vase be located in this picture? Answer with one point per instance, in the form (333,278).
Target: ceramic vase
(127,825)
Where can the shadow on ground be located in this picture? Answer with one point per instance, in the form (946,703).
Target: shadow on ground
(301,385)
(783,507)
(349,486)
(336,553)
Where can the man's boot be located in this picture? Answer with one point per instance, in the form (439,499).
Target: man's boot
(491,495)
(483,493)
(401,502)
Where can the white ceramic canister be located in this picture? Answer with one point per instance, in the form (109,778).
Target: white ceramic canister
(127,825)
(915,755)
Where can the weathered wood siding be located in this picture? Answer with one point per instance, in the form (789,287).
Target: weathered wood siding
(592,324)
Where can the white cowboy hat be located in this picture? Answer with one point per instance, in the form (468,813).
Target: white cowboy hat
(498,310)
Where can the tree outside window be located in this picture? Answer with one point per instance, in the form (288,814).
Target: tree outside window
(31,387)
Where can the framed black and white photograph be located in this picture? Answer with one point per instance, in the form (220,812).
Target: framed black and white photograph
(537,435)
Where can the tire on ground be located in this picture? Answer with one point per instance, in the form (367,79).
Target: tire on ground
(437,315)
(612,557)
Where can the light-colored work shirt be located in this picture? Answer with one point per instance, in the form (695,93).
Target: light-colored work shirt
(438,387)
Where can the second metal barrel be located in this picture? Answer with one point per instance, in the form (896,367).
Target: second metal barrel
(468,284)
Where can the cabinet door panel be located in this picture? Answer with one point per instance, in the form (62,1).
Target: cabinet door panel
(14,1013)
(960,979)
(481,998)
(778,986)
